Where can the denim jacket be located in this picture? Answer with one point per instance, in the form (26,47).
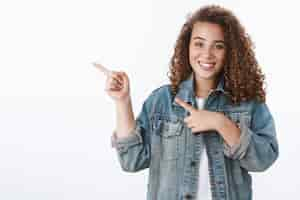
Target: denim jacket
(163,143)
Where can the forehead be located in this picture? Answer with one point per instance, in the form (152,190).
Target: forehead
(208,31)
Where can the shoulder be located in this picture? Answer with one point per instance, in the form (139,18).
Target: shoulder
(160,96)
(160,93)
(162,90)
(259,110)
(256,106)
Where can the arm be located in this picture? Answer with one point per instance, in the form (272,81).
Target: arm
(256,146)
(131,137)
(125,118)
(134,148)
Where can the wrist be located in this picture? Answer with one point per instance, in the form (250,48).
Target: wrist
(124,101)
(220,121)
(227,129)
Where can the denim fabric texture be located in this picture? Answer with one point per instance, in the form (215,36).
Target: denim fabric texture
(162,143)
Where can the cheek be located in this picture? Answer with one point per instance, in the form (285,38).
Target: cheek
(221,56)
(221,61)
(194,54)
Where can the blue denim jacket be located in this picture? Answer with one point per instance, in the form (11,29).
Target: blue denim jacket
(163,143)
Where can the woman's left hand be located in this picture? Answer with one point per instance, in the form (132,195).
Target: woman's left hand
(199,120)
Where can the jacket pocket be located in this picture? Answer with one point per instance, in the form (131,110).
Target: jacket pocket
(168,134)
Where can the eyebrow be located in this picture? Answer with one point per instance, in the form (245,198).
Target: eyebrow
(201,38)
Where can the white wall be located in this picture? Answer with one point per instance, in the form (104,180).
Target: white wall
(56,120)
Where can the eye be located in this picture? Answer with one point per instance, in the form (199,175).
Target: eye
(199,44)
(220,46)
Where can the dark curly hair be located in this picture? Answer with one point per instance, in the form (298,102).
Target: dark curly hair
(243,78)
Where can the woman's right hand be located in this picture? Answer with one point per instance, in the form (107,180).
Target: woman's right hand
(117,87)
(117,84)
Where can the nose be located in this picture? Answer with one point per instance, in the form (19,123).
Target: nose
(207,52)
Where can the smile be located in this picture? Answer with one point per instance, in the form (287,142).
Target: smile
(207,66)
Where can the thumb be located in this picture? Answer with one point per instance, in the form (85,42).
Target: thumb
(125,78)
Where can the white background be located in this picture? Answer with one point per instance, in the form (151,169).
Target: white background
(56,120)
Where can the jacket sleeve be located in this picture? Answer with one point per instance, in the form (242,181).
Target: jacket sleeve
(134,150)
(257,149)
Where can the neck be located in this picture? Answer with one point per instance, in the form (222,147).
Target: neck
(203,87)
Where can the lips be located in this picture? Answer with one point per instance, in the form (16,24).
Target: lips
(206,66)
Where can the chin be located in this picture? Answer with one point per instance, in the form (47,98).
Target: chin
(203,77)
(206,76)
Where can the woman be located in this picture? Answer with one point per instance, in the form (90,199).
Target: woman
(203,133)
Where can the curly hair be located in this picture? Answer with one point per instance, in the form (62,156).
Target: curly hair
(243,78)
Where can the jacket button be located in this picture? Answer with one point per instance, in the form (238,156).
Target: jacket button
(193,163)
(188,196)
(220,182)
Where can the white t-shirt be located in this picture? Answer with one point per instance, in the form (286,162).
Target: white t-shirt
(204,191)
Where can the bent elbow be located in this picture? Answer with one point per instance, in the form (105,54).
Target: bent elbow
(259,165)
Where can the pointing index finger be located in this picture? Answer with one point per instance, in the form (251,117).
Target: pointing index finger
(184,105)
(103,69)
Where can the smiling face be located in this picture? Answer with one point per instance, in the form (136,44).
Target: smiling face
(207,50)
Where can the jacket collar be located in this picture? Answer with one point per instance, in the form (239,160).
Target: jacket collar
(186,90)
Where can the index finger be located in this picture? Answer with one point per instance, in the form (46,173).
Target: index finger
(183,104)
(103,69)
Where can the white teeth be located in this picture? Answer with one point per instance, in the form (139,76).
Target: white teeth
(206,65)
